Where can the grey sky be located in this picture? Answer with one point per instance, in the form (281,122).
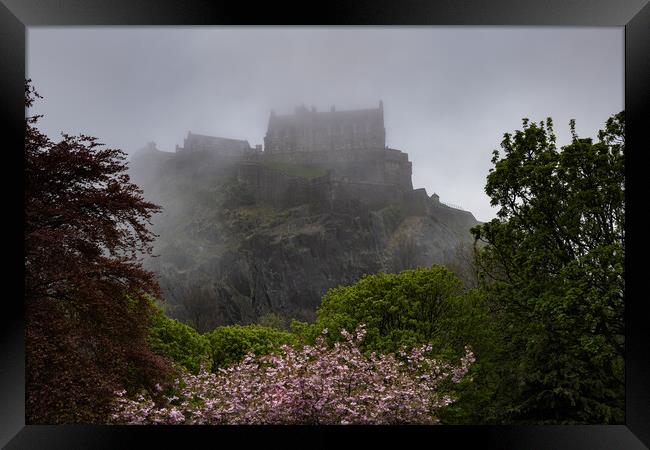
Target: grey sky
(449,93)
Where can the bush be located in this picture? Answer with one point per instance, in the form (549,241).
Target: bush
(179,342)
(419,307)
(407,309)
(231,343)
(310,385)
(274,320)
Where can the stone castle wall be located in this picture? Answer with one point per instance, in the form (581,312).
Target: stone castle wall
(383,166)
(352,196)
(274,187)
(279,189)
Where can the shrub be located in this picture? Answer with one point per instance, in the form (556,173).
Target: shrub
(400,310)
(231,343)
(179,342)
(313,385)
(418,307)
(274,320)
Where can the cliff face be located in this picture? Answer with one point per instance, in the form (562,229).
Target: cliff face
(237,242)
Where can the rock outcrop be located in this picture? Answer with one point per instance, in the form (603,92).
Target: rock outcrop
(241,238)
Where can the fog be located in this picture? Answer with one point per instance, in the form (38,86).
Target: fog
(449,93)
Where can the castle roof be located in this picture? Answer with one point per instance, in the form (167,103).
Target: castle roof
(216,142)
(302,113)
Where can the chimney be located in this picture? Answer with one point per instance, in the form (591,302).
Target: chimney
(332,108)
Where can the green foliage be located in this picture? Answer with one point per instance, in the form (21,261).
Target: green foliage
(304,332)
(426,305)
(406,309)
(229,344)
(274,320)
(179,342)
(473,322)
(552,273)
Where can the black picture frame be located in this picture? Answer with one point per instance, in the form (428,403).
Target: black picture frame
(634,15)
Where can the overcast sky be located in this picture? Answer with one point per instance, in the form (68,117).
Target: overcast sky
(449,93)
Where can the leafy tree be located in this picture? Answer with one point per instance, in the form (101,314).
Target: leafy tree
(274,320)
(231,343)
(407,309)
(427,306)
(179,342)
(87,313)
(553,273)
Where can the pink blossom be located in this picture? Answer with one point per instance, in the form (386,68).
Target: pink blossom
(315,385)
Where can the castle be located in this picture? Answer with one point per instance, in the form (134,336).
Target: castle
(313,131)
(345,153)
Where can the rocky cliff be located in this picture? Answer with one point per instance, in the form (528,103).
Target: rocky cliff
(238,241)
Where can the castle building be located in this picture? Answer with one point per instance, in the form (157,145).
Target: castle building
(224,146)
(346,149)
(313,131)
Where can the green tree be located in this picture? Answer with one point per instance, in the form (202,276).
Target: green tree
(552,271)
(229,344)
(406,309)
(179,342)
(274,320)
(413,307)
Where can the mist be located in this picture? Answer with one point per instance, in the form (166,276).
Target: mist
(449,93)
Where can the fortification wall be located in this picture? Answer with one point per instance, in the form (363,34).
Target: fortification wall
(351,195)
(279,189)
(327,193)
(418,203)
(378,165)
(282,190)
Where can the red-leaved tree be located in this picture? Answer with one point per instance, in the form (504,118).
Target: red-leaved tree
(86,294)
